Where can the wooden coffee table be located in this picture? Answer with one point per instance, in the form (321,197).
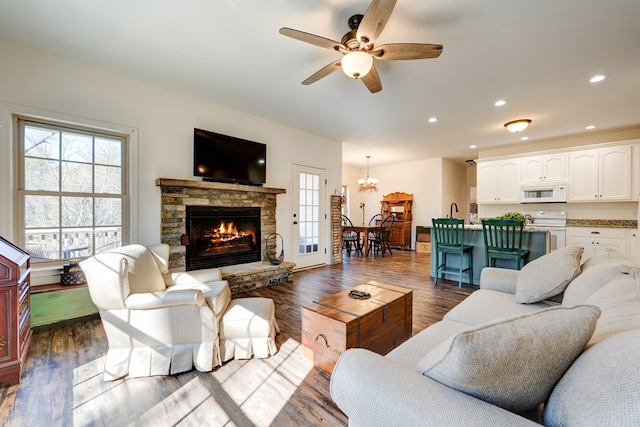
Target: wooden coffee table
(338,322)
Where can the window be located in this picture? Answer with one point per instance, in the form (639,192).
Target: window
(309,213)
(72,190)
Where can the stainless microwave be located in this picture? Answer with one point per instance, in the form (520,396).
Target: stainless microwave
(543,192)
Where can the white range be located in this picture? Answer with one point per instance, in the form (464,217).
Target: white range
(553,221)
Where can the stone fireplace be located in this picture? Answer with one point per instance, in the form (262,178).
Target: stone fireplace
(178,196)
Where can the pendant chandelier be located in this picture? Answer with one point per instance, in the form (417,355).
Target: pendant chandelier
(368,184)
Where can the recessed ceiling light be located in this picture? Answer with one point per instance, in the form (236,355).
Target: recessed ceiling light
(500,103)
(524,138)
(433,120)
(472,146)
(590,127)
(598,78)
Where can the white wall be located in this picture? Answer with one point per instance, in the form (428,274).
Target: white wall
(31,80)
(422,178)
(454,190)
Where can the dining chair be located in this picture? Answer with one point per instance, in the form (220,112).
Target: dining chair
(503,240)
(375,221)
(350,237)
(448,238)
(380,238)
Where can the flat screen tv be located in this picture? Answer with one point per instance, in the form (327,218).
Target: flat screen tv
(224,158)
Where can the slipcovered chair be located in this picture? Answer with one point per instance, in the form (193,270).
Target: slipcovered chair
(156,322)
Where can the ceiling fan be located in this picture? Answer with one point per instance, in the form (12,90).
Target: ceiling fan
(358,48)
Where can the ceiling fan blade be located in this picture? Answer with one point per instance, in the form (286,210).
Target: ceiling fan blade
(374,20)
(402,51)
(372,80)
(323,72)
(311,38)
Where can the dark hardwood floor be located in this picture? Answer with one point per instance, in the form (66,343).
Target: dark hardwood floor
(62,381)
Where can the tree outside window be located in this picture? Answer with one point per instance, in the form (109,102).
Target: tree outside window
(72,191)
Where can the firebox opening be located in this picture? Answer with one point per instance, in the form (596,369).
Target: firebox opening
(220,236)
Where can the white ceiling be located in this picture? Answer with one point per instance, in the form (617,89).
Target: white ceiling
(538,55)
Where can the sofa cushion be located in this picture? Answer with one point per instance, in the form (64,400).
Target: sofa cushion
(513,363)
(410,352)
(485,305)
(619,302)
(603,255)
(601,388)
(548,275)
(594,277)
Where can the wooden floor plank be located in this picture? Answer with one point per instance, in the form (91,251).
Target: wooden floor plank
(62,381)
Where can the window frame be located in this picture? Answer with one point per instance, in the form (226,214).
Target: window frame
(18,122)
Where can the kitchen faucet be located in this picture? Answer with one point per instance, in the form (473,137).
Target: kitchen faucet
(451,209)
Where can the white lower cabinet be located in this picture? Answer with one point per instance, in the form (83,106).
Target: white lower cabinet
(633,244)
(596,239)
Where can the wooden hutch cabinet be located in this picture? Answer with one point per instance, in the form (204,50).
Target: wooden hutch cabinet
(15,311)
(398,204)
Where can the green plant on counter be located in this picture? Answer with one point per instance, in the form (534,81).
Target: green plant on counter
(513,215)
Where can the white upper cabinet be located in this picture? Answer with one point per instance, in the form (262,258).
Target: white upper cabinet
(498,181)
(544,168)
(601,174)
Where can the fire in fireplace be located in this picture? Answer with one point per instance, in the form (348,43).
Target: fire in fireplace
(220,236)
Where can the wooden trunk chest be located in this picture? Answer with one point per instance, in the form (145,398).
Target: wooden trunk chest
(338,322)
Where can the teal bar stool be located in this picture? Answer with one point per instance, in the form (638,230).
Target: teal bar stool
(448,235)
(503,240)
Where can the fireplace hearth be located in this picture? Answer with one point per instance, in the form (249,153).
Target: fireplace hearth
(222,236)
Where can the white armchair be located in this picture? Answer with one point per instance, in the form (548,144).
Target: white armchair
(157,322)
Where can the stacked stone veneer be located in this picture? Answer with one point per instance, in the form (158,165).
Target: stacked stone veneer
(176,195)
(336,228)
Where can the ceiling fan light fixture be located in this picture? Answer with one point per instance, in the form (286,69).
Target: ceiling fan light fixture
(517,125)
(356,64)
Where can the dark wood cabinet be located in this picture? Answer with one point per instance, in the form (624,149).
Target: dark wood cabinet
(398,204)
(400,234)
(15,311)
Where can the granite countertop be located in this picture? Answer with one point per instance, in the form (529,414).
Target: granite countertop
(604,223)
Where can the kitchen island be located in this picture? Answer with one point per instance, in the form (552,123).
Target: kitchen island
(536,240)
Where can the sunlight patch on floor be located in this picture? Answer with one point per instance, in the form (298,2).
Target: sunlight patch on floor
(253,390)
(262,387)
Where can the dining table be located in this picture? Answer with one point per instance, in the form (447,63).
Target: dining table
(362,229)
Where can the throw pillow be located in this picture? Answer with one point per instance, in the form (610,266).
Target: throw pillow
(595,277)
(619,301)
(548,275)
(601,388)
(513,363)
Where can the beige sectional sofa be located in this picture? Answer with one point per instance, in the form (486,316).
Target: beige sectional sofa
(557,343)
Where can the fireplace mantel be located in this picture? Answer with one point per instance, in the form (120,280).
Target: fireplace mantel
(206,185)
